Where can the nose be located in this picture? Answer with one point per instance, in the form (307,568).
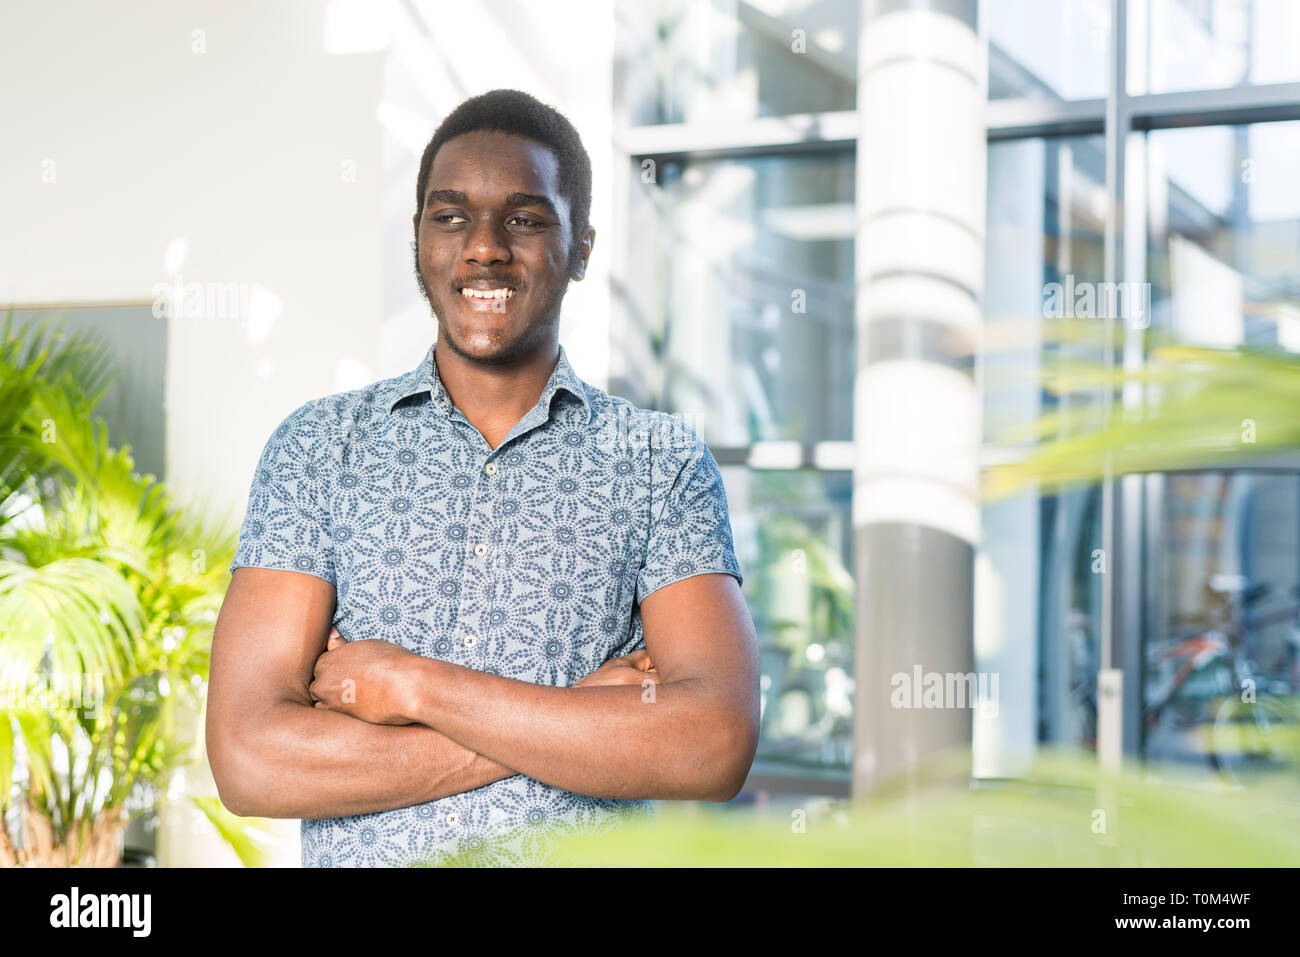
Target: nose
(485,244)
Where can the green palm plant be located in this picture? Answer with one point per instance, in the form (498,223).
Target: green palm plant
(1063,812)
(108,596)
(1196,407)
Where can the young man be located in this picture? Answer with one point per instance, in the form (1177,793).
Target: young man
(482,602)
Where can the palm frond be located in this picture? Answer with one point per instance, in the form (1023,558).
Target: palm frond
(101,574)
(1190,407)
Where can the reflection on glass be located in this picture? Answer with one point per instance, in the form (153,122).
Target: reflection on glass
(1045,220)
(709,61)
(1206,44)
(794,542)
(754,314)
(1056,50)
(1224,231)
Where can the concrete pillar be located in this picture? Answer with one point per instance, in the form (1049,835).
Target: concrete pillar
(919,271)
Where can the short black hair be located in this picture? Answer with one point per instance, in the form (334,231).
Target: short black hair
(514,111)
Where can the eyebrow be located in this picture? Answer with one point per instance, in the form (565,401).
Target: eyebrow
(513,200)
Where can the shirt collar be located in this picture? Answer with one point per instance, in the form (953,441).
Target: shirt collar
(424,378)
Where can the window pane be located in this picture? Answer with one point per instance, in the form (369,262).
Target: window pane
(794,542)
(136,342)
(1056,50)
(1207,44)
(1046,209)
(1228,555)
(703,61)
(1225,233)
(752,310)
(1046,203)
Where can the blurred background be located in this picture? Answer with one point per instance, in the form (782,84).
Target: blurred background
(990,312)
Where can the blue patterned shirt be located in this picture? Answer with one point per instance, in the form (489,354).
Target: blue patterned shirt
(529,561)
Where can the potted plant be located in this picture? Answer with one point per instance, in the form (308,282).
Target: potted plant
(108,595)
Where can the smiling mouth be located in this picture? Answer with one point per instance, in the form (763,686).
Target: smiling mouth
(486,295)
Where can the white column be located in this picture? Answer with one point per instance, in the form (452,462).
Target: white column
(919,271)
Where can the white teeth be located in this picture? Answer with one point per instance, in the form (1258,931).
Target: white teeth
(487,293)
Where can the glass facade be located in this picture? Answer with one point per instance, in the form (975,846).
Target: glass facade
(1046,206)
(1056,50)
(1223,239)
(1182,45)
(1227,619)
(754,302)
(1193,200)
(794,538)
(1224,233)
(722,60)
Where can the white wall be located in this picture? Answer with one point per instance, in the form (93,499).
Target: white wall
(233,153)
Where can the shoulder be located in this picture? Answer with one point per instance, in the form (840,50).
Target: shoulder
(353,407)
(332,420)
(669,443)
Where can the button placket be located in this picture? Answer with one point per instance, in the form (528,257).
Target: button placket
(469,641)
(489,548)
(472,637)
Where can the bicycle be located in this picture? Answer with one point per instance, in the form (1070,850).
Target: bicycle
(1254,722)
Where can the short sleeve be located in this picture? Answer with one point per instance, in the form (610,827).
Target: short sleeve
(287,523)
(690,530)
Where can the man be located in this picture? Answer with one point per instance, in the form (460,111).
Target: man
(483,602)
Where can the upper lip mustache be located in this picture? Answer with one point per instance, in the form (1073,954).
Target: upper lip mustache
(484,286)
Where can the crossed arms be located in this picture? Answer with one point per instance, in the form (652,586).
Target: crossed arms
(302,726)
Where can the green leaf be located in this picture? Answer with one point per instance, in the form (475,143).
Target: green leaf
(247,837)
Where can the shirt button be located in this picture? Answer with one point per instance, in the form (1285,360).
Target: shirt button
(480,549)
(453,819)
(490,468)
(471,641)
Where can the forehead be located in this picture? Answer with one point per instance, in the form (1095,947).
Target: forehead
(488,164)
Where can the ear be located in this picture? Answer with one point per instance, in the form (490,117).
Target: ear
(584,253)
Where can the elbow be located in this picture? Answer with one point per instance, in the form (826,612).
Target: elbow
(233,801)
(737,743)
(233,765)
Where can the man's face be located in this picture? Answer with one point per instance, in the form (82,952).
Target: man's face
(493,219)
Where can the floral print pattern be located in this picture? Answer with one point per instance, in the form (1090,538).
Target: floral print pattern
(529,561)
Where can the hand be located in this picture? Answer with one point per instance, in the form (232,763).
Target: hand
(630,669)
(361,678)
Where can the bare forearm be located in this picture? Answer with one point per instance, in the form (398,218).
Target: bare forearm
(305,762)
(675,740)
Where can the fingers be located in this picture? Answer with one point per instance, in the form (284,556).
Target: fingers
(629,669)
(639,659)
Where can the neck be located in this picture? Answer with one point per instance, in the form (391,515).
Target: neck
(494,396)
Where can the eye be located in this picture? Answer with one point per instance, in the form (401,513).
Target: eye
(526,221)
(446,216)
